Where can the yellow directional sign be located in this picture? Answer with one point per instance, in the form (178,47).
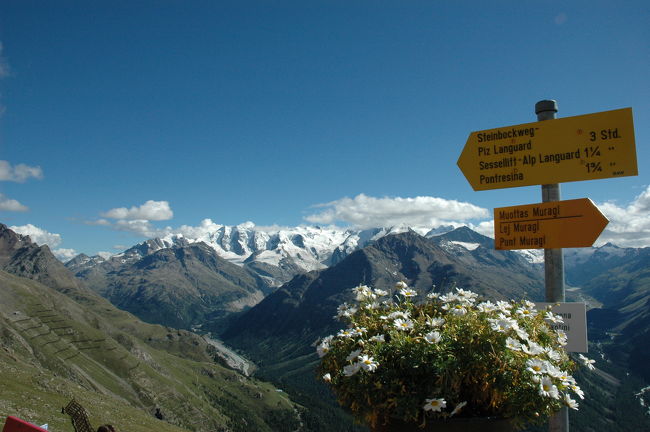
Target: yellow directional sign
(585,147)
(550,225)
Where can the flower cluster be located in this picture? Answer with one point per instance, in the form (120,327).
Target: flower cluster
(446,355)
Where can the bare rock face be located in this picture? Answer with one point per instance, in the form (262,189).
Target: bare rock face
(22,257)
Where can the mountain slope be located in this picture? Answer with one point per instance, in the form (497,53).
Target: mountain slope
(304,307)
(624,291)
(54,347)
(176,285)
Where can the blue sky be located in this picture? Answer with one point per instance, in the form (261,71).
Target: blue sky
(120,118)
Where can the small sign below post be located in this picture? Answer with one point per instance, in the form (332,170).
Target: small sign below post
(549,225)
(574,323)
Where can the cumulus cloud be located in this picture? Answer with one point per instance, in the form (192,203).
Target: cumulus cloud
(64,255)
(140,227)
(19,173)
(8,204)
(486,228)
(363,211)
(38,235)
(628,225)
(107,255)
(149,211)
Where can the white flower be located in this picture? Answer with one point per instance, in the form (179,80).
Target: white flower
(503,324)
(403,324)
(359,331)
(368,363)
(555,319)
(486,306)
(401,285)
(577,390)
(354,354)
(571,403)
(432,337)
(408,292)
(504,307)
(381,293)
(513,344)
(526,312)
(536,366)
(532,348)
(561,337)
(552,354)
(327,377)
(435,322)
(456,309)
(587,362)
(433,295)
(434,404)
(364,292)
(522,334)
(322,349)
(378,338)
(466,296)
(458,408)
(346,333)
(529,304)
(553,371)
(399,314)
(345,310)
(324,346)
(448,298)
(352,369)
(547,388)
(567,380)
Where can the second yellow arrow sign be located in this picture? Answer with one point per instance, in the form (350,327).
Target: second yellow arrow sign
(551,225)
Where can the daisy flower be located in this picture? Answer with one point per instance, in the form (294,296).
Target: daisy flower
(434,404)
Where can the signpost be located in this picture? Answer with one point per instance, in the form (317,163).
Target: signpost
(586,147)
(549,152)
(559,224)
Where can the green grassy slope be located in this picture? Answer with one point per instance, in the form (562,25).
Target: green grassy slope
(53,349)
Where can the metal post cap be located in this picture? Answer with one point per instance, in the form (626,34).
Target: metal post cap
(545,105)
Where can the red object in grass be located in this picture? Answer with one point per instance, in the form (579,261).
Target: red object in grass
(14,424)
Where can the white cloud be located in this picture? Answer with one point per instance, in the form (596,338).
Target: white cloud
(486,228)
(38,235)
(8,204)
(149,211)
(628,226)
(19,173)
(140,227)
(65,255)
(365,212)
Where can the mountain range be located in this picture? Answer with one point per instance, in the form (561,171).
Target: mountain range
(276,255)
(188,283)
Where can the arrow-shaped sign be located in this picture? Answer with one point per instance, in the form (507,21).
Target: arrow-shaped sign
(585,147)
(550,225)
